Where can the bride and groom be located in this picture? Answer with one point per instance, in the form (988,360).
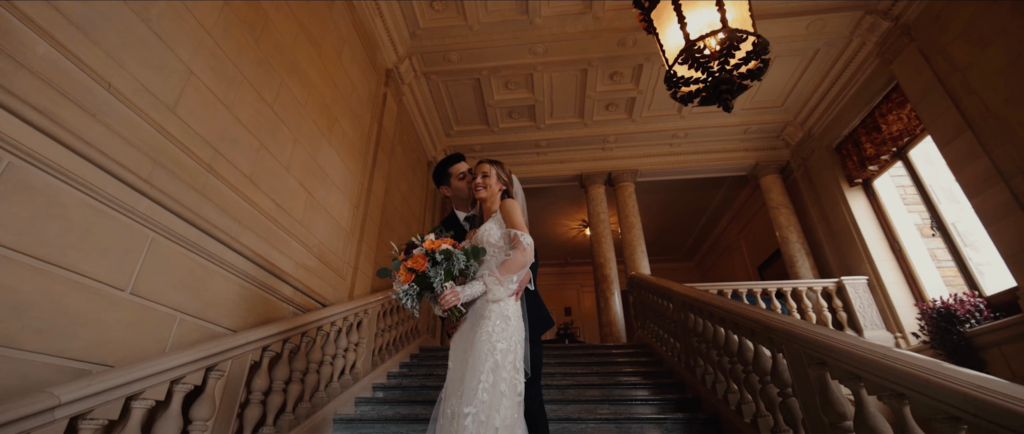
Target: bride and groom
(495,360)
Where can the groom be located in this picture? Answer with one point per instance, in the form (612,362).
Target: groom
(454,178)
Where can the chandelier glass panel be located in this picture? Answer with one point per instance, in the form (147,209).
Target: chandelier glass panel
(711,49)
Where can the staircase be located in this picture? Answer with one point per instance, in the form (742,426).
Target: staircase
(587,389)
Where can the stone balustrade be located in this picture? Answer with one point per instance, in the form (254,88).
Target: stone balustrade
(843,304)
(773,373)
(269,379)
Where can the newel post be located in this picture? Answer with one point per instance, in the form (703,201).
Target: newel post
(863,311)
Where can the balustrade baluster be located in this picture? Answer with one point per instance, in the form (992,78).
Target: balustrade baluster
(340,345)
(350,354)
(361,334)
(172,421)
(776,306)
(866,418)
(897,402)
(790,304)
(789,407)
(707,352)
(90,426)
(320,397)
(729,393)
(386,352)
(742,292)
(821,307)
(751,385)
(378,338)
(257,386)
(139,409)
(841,315)
(294,390)
(758,292)
(806,306)
(313,358)
(768,392)
(278,377)
(833,404)
(697,354)
(948,424)
(205,407)
(743,404)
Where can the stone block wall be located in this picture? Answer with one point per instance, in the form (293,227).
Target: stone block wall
(175,171)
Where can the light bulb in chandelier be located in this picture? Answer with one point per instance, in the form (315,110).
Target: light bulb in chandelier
(711,49)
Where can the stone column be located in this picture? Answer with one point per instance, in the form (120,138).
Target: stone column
(606,275)
(634,248)
(795,251)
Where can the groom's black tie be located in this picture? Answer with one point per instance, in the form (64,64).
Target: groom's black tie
(472,221)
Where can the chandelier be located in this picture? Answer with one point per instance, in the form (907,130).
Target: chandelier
(711,49)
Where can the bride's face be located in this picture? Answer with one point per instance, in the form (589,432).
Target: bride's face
(485,183)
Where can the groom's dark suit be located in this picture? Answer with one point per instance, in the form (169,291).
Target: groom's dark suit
(539,322)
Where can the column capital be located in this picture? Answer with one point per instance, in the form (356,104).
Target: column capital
(625,177)
(590,179)
(765,168)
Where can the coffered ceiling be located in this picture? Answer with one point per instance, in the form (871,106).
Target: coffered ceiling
(560,87)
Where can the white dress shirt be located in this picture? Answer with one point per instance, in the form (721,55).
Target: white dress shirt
(462,217)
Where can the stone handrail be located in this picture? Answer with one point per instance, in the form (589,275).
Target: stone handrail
(843,304)
(773,373)
(268,379)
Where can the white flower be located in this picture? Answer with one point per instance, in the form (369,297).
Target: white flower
(429,237)
(419,251)
(446,247)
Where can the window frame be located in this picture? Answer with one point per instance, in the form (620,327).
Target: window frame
(939,222)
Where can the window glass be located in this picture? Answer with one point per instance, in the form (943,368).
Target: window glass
(975,245)
(912,224)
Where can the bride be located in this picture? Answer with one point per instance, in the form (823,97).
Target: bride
(483,392)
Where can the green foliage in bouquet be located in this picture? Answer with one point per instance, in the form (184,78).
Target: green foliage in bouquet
(426,265)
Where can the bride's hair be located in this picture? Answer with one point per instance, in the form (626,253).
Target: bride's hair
(504,176)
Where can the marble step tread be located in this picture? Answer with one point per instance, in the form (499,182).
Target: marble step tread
(426,406)
(582,377)
(553,386)
(606,423)
(548,364)
(564,351)
(559,359)
(563,369)
(689,400)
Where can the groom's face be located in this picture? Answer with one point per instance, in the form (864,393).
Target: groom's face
(461,182)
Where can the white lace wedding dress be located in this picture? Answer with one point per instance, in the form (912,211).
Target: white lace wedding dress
(483,392)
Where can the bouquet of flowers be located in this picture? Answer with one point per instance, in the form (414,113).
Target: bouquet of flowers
(428,265)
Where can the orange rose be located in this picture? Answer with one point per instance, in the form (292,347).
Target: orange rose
(435,245)
(417,262)
(405,276)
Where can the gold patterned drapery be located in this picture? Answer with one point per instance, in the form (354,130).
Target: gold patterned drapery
(873,144)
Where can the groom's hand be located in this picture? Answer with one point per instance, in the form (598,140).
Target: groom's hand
(522,285)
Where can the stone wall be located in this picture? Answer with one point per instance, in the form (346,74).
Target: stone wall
(744,239)
(171,172)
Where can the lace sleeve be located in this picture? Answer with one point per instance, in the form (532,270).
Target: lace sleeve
(500,280)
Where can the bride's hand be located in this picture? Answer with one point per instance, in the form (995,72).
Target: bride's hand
(449,299)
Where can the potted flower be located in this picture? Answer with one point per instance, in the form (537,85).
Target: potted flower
(943,324)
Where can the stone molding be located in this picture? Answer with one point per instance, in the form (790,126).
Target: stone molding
(764,169)
(588,180)
(624,177)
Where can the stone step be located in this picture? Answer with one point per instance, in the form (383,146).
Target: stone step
(568,349)
(555,405)
(428,365)
(556,357)
(431,389)
(607,372)
(606,423)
